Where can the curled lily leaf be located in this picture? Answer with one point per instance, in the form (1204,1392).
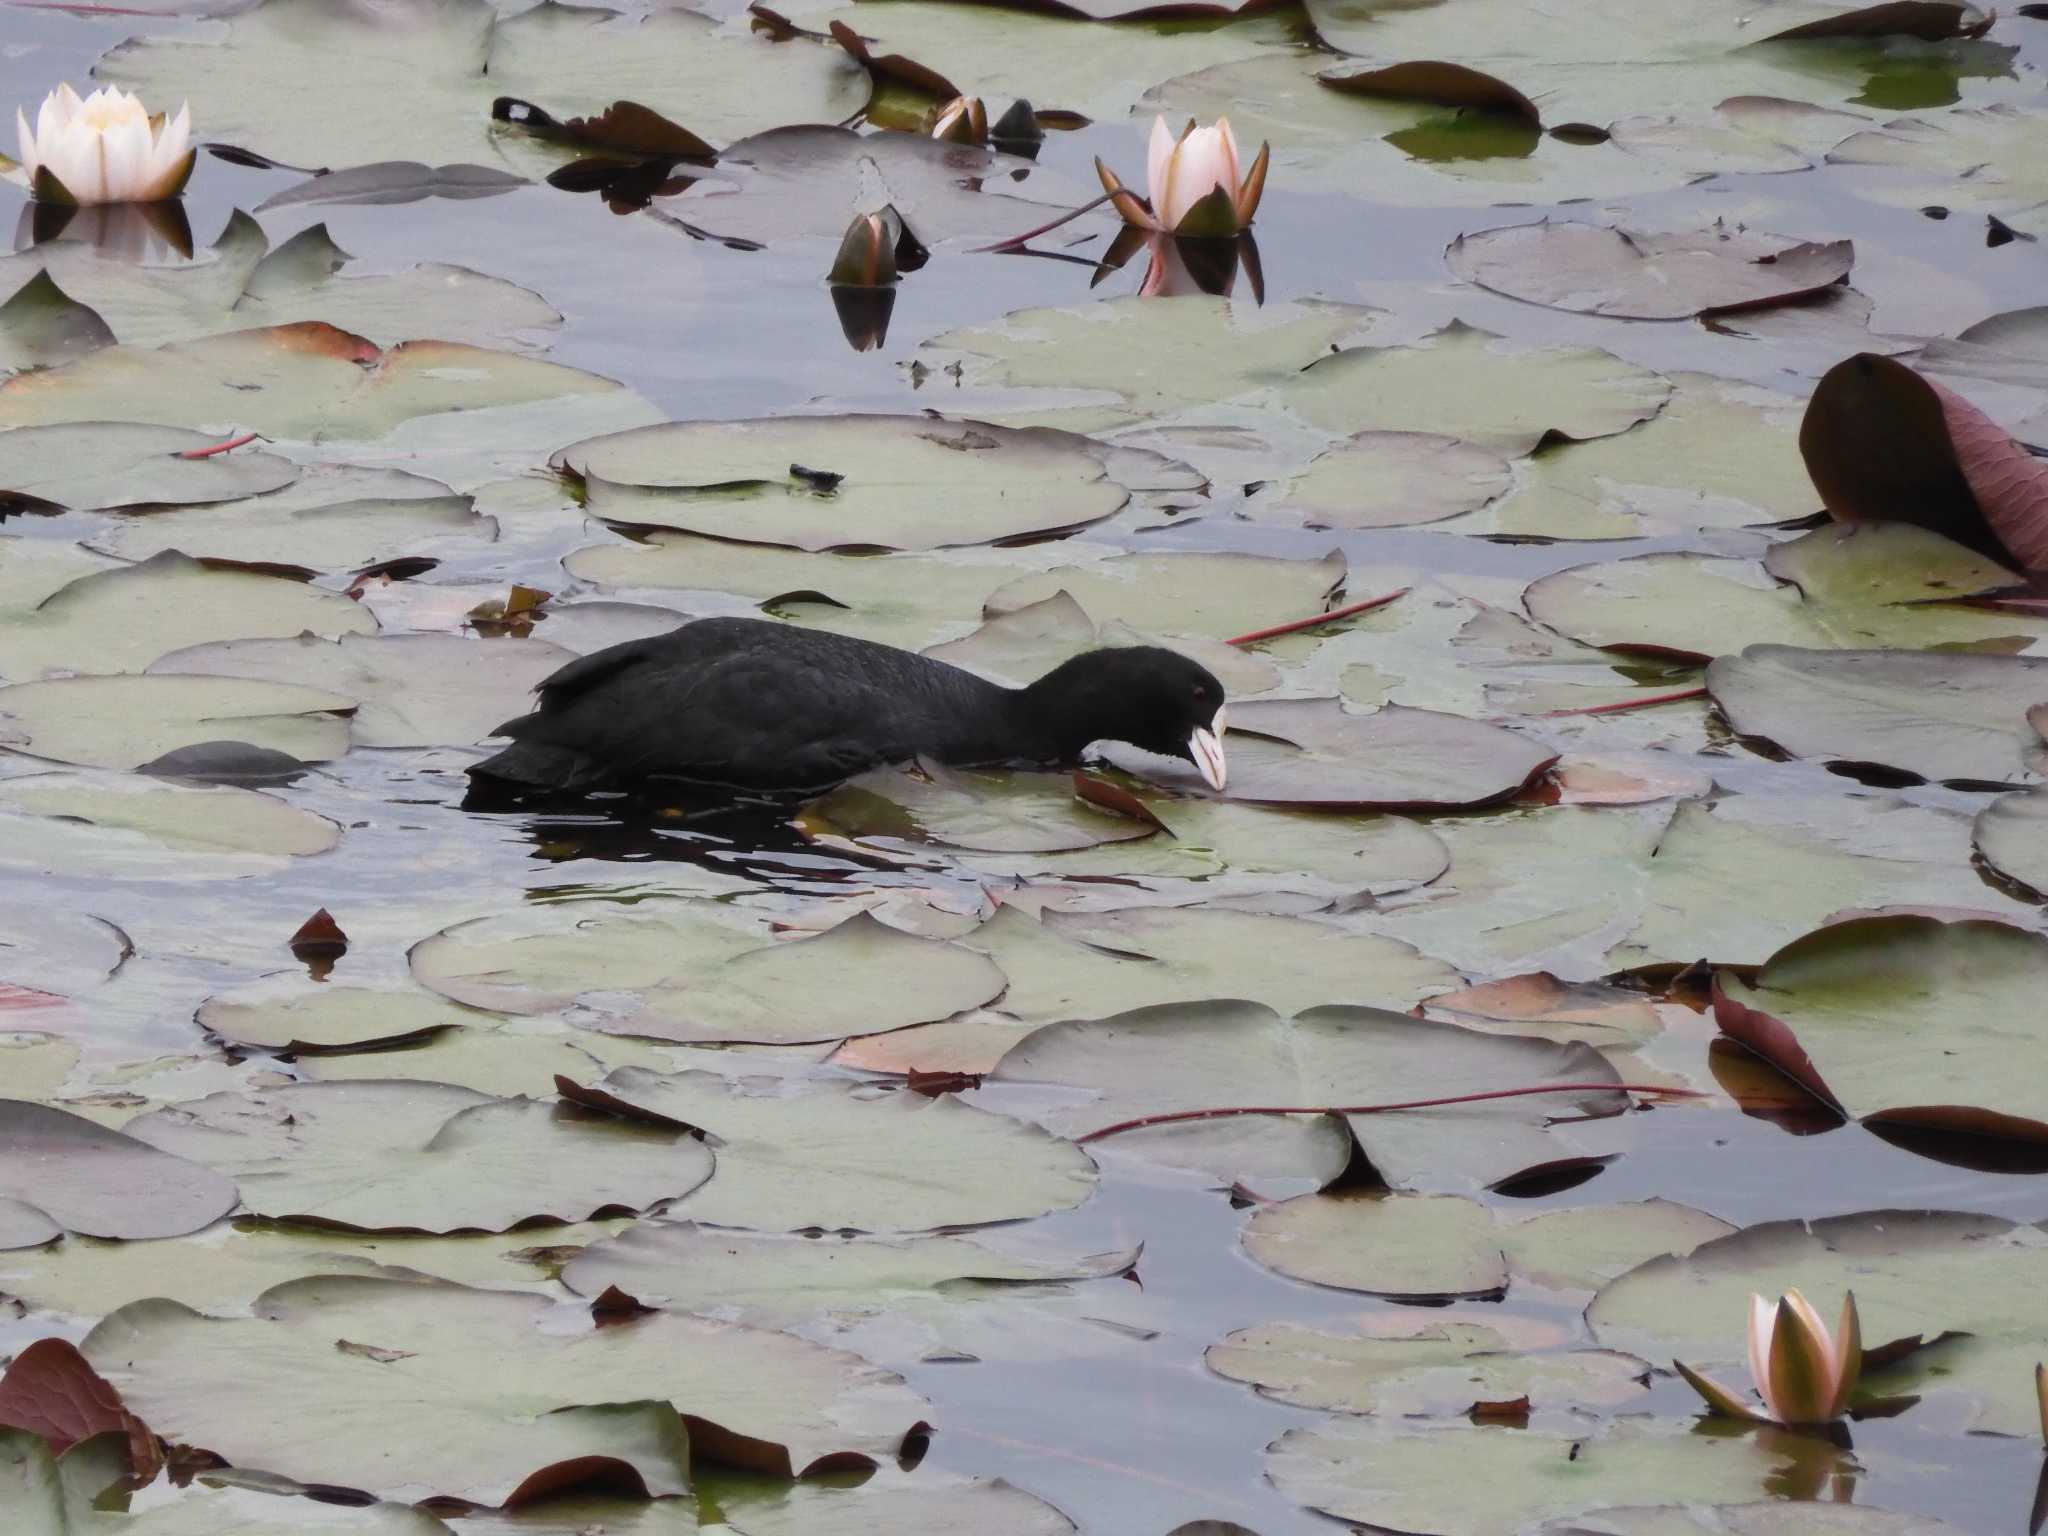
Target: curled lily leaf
(963,120)
(103,148)
(1804,1374)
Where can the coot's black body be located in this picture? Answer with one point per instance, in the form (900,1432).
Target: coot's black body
(757,705)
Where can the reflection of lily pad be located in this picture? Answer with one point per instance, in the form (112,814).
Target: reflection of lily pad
(904,482)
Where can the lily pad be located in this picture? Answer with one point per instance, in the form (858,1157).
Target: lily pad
(1476,387)
(461,1393)
(113,827)
(95,466)
(992,1508)
(42,326)
(1931,714)
(1980,159)
(1025,643)
(1390,480)
(1638,275)
(832,1155)
(123,722)
(410,690)
(82,1177)
(1863,1014)
(1440,1369)
(1224,1055)
(2011,834)
(279,78)
(1883,584)
(1915,1274)
(905,481)
(290,1014)
(424,1157)
(1188,593)
(121,620)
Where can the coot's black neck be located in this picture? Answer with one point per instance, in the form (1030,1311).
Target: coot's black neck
(1076,703)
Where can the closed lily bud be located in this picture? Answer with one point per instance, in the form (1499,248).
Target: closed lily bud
(963,120)
(867,256)
(1803,1373)
(102,148)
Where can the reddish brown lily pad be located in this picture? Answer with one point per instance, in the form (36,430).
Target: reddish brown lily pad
(51,1390)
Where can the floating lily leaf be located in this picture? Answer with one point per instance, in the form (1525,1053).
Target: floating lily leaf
(1025,643)
(1634,275)
(1436,1478)
(410,690)
(1861,1013)
(281,76)
(42,326)
(1439,1369)
(1314,752)
(904,483)
(974,812)
(1931,714)
(1915,1273)
(336,519)
(467,1397)
(424,1157)
(113,827)
(123,619)
(991,1508)
(93,467)
(287,1013)
(1472,385)
(833,1155)
(123,722)
(1776,1517)
(2011,834)
(1218,1055)
(1757,135)
(85,1178)
(1885,584)
(292,381)
(1591,66)
(1883,443)
(1998,361)
(1390,480)
(1981,159)
(1202,594)
(1439,1246)
(395,181)
(47,952)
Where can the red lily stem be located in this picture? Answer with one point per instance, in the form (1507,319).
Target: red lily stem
(1381,1109)
(1015,241)
(1627,704)
(1317,620)
(213,448)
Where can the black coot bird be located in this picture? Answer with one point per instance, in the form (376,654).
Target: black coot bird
(757,705)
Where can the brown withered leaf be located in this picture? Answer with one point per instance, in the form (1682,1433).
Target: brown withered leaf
(50,1390)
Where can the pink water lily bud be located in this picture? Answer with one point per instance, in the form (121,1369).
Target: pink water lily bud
(1803,1373)
(963,120)
(102,148)
(1197,191)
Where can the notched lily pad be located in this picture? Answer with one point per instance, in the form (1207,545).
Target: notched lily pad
(59,1172)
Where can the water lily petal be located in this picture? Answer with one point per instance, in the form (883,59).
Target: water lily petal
(1226,143)
(1718,1397)
(1253,187)
(1761,1317)
(28,143)
(1848,1354)
(127,154)
(1158,152)
(1802,1364)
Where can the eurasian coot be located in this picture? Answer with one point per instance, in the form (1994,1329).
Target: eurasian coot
(754,704)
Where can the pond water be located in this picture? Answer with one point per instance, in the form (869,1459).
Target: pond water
(145,956)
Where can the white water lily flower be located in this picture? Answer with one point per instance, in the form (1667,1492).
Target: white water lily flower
(1196,190)
(1803,1373)
(103,148)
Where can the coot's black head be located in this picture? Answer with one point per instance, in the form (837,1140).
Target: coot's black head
(1148,697)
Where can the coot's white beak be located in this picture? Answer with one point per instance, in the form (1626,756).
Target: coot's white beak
(1206,746)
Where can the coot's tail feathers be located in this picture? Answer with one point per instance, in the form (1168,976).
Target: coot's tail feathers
(536,767)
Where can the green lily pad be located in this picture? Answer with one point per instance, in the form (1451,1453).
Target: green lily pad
(1773,1518)
(2011,834)
(410,690)
(1477,387)
(1915,1273)
(460,1393)
(1979,159)
(424,1157)
(281,78)
(1638,275)
(41,326)
(1881,584)
(1188,593)
(288,1013)
(1864,1013)
(1390,480)
(1441,1368)
(121,620)
(82,1177)
(991,1508)
(1228,1054)
(905,481)
(126,721)
(96,466)
(832,1155)
(1932,714)
(1025,643)
(113,827)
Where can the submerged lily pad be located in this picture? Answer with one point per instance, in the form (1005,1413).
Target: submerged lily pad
(410,690)
(95,466)
(1863,1013)
(461,1393)
(123,619)
(1932,714)
(904,482)
(81,1177)
(126,721)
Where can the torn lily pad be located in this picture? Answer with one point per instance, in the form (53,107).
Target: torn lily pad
(900,482)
